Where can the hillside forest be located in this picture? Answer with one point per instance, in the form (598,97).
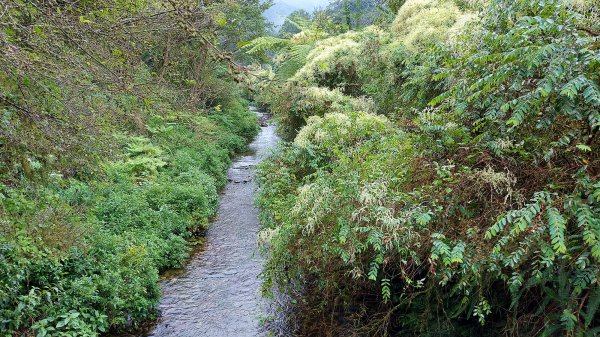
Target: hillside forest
(437,174)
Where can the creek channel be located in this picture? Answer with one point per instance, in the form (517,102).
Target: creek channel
(218,292)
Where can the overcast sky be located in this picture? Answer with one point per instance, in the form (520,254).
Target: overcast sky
(305,4)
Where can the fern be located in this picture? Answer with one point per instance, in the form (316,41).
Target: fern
(592,307)
(265,44)
(557,228)
(300,23)
(295,58)
(589,223)
(571,88)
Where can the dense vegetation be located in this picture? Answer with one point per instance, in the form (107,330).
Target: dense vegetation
(441,174)
(354,14)
(118,120)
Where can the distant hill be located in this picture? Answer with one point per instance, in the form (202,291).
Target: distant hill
(278,12)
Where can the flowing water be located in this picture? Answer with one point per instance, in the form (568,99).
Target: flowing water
(217,294)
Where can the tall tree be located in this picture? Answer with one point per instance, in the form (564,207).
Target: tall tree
(346,14)
(354,14)
(293,22)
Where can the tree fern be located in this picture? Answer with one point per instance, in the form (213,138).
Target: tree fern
(265,44)
(294,60)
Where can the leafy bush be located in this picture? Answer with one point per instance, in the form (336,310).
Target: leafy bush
(293,106)
(420,23)
(331,63)
(473,209)
(192,192)
(82,257)
(116,133)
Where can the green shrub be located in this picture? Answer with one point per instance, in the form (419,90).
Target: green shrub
(193,192)
(83,257)
(293,106)
(113,149)
(420,23)
(473,209)
(240,120)
(332,64)
(211,159)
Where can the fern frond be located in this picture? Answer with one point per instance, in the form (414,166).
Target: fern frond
(265,43)
(295,59)
(557,227)
(300,23)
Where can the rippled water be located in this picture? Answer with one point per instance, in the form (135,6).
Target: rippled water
(217,294)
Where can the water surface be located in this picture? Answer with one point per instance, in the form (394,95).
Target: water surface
(217,294)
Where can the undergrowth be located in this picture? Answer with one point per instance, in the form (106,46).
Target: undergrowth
(465,201)
(118,120)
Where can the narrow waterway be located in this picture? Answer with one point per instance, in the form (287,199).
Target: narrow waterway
(217,294)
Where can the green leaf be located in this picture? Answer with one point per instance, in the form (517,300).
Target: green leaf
(221,20)
(568,319)
(584,148)
(557,228)
(82,19)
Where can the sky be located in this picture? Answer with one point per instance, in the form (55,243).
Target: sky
(282,8)
(309,5)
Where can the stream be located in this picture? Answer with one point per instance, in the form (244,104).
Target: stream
(218,291)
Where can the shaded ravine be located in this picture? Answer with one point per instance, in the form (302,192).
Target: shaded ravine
(217,294)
